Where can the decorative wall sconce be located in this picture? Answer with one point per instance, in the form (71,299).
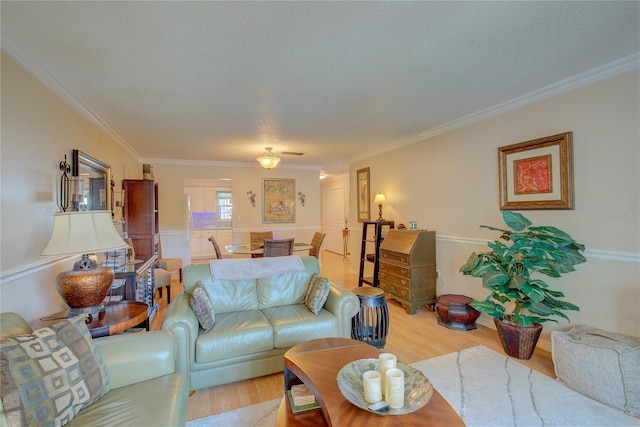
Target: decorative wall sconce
(252,198)
(63,195)
(379,200)
(268,160)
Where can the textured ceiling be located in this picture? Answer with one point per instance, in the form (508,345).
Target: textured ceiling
(336,81)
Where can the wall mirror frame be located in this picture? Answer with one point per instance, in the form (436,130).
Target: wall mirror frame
(98,186)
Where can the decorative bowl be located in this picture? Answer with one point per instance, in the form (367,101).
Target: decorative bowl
(417,388)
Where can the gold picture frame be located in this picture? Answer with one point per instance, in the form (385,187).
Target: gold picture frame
(364,201)
(537,174)
(278,200)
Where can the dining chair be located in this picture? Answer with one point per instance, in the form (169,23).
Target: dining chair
(257,240)
(215,247)
(316,242)
(281,247)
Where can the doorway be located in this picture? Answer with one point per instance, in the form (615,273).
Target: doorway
(333,219)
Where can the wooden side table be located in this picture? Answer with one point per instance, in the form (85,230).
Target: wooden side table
(116,317)
(454,312)
(371,324)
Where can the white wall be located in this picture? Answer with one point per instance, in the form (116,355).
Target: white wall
(38,129)
(449,184)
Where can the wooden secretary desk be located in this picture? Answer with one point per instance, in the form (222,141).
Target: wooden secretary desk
(408,267)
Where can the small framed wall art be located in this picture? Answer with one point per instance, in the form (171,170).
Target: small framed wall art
(537,174)
(278,200)
(364,203)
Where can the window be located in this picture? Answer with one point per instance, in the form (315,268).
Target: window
(224,205)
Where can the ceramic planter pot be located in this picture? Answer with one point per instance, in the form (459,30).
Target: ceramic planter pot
(518,341)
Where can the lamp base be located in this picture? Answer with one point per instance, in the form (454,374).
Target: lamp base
(84,290)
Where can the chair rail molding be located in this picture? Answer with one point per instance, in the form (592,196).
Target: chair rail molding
(588,253)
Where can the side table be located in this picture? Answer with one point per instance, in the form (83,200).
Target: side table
(116,317)
(371,324)
(454,312)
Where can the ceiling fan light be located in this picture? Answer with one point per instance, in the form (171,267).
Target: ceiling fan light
(268,160)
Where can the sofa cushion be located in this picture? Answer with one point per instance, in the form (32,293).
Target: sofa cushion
(228,296)
(283,289)
(160,401)
(317,293)
(602,365)
(50,375)
(202,307)
(294,324)
(234,334)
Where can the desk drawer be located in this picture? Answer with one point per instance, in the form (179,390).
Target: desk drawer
(399,291)
(399,258)
(395,269)
(397,280)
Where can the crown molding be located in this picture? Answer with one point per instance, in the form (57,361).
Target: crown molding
(31,65)
(603,72)
(211,163)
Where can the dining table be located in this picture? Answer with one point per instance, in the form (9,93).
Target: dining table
(245,249)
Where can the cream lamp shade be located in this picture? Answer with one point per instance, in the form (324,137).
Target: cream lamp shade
(380,199)
(84,288)
(268,160)
(76,233)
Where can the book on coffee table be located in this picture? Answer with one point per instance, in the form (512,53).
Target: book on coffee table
(301,399)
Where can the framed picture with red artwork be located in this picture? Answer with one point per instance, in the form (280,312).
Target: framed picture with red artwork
(537,174)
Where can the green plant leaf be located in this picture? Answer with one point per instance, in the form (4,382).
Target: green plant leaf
(515,221)
(495,278)
(532,292)
(489,307)
(471,263)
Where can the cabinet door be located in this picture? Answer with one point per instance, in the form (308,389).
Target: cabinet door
(198,204)
(195,246)
(210,200)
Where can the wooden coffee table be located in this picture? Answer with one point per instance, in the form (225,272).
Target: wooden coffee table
(116,317)
(316,363)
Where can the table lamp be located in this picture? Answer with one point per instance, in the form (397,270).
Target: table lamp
(84,288)
(379,200)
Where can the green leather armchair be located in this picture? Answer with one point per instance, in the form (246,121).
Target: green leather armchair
(145,386)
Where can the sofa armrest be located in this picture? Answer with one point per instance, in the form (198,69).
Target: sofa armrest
(183,323)
(135,357)
(344,304)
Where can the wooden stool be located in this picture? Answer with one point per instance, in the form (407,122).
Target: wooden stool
(371,324)
(454,312)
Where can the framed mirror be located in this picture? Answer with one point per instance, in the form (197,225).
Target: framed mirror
(96,180)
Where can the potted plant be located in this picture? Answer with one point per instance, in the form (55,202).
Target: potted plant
(511,273)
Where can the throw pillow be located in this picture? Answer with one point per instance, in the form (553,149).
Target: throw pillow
(202,307)
(317,293)
(48,376)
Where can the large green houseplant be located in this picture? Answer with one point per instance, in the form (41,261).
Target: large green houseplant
(508,272)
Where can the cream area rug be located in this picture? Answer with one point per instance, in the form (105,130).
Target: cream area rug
(485,388)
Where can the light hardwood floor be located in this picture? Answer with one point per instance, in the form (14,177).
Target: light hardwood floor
(411,338)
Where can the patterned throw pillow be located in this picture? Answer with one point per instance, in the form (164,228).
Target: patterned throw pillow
(317,293)
(202,307)
(48,376)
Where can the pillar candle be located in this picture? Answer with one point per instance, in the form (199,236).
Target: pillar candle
(386,361)
(372,382)
(395,388)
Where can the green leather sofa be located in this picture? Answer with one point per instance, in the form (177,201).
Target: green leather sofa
(256,321)
(146,389)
